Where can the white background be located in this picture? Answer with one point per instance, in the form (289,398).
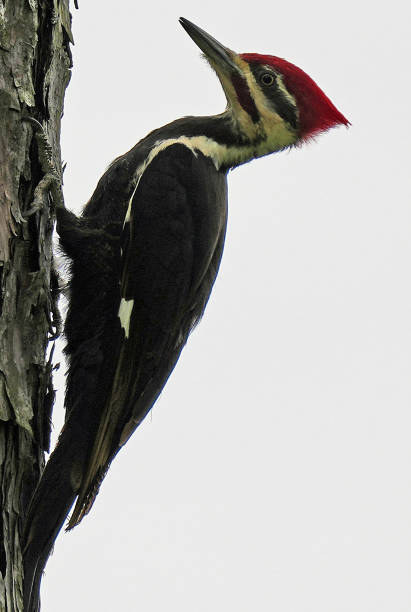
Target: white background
(275,471)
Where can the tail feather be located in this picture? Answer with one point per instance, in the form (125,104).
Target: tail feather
(46,514)
(102,452)
(85,503)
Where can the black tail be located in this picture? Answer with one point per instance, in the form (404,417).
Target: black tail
(47,512)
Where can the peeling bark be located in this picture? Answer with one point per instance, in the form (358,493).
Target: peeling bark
(35,63)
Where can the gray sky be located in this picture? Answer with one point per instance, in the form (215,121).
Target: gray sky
(275,470)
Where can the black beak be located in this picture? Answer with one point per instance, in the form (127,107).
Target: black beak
(213,50)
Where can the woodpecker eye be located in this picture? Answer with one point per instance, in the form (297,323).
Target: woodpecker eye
(267,78)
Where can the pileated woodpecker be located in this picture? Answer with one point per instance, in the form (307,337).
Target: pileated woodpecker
(144,257)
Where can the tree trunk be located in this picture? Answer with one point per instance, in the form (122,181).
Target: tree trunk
(35,63)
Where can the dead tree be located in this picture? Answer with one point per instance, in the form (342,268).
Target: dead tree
(35,62)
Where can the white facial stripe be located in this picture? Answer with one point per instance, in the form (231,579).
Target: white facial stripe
(240,116)
(263,105)
(276,133)
(285,91)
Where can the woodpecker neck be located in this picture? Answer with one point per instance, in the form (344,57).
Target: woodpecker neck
(222,138)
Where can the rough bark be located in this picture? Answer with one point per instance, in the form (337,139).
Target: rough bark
(35,65)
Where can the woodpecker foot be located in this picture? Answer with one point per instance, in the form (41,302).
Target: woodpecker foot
(51,183)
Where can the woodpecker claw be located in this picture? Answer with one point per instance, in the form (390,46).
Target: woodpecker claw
(51,181)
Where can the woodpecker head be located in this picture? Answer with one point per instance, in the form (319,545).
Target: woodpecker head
(272,103)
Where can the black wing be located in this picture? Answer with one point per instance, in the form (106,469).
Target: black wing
(172,243)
